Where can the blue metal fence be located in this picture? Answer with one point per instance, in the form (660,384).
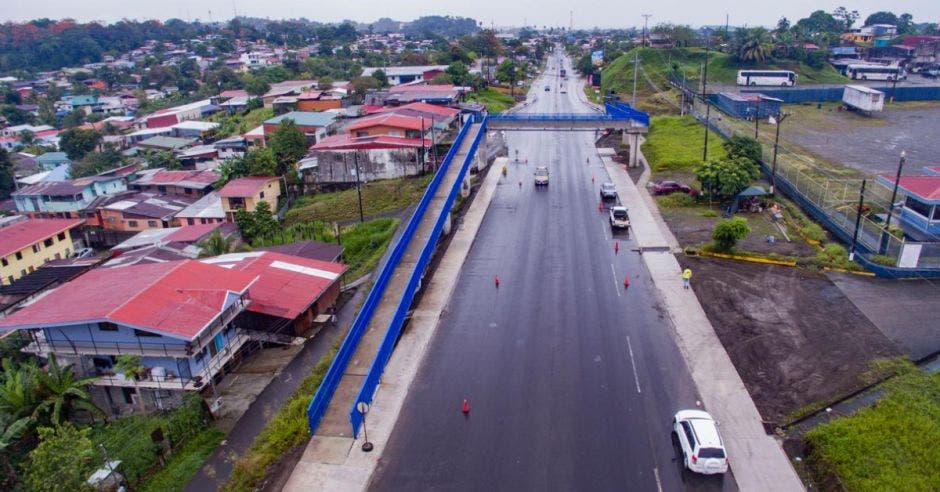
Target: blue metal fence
(321,399)
(371,381)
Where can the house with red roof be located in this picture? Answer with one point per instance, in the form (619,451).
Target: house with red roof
(392,124)
(26,244)
(920,212)
(246,193)
(188,322)
(195,183)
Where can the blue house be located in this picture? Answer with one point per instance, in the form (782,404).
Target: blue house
(176,317)
(52,160)
(920,214)
(66,198)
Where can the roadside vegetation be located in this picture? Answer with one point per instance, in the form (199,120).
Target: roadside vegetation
(494,100)
(889,446)
(239,123)
(378,197)
(287,429)
(676,143)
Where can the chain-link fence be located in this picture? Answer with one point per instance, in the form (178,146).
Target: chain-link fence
(829,193)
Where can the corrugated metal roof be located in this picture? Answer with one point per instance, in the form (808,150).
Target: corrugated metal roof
(22,234)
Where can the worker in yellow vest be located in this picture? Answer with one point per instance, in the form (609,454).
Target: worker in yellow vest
(686,277)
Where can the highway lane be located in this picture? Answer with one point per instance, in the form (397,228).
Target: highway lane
(572,379)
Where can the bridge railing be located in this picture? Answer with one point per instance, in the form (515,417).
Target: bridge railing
(371,382)
(321,399)
(615,112)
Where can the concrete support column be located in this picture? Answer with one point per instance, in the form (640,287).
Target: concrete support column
(480,157)
(632,139)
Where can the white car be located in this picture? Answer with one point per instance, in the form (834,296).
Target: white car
(608,191)
(703,451)
(541,176)
(619,219)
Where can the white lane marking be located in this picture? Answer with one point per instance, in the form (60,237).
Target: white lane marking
(659,485)
(616,285)
(604,227)
(636,377)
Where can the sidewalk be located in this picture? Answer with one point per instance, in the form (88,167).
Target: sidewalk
(336,463)
(757,460)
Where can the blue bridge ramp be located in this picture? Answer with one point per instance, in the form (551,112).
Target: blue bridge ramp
(335,422)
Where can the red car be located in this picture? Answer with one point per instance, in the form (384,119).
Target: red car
(669,187)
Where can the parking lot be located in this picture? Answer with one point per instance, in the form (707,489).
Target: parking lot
(871,144)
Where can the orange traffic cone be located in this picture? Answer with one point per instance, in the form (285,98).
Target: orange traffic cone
(616,247)
(600,206)
(626,281)
(466,407)
(496,281)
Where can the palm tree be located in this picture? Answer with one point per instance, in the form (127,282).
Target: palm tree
(63,392)
(18,389)
(216,245)
(756,45)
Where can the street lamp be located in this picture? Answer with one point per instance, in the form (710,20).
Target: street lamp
(894,196)
(705,94)
(757,116)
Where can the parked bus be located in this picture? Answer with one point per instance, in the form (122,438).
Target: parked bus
(780,78)
(874,72)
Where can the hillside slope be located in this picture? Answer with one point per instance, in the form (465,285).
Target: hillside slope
(657,64)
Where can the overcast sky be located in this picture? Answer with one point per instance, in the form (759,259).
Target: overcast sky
(587,13)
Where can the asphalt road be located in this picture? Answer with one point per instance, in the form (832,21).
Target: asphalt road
(572,379)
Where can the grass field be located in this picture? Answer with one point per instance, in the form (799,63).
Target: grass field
(675,143)
(494,100)
(183,464)
(890,446)
(377,197)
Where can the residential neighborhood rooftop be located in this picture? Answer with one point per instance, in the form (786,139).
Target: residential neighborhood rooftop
(245,187)
(24,233)
(304,118)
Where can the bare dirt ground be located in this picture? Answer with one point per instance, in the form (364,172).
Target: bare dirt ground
(793,336)
(871,144)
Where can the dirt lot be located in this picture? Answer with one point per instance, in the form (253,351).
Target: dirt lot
(793,336)
(868,143)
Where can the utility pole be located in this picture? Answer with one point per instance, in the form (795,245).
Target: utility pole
(646,18)
(705,67)
(707,111)
(636,67)
(858,220)
(894,196)
(358,185)
(570,21)
(773,167)
(705,97)
(757,117)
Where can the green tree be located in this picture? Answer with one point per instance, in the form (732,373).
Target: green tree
(261,162)
(231,168)
(256,86)
(747,147)
(846,16)
(380,77)
(74,118)
(288,144)
(216,245)
(459,73)
(906,24)
(63,392)
(507,73)
(755,45)
(97,162)
(19,389)
(728,232)
(361,86)
(442,79)
(724,178)
(245,221)
(11,430)
(6,174)
(63,460)
(882,17)
(77,142)
(163,159)
(265,225)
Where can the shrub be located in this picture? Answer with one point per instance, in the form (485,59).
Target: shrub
(676,200)
(188,420)
(725,178)
(741,146)
(884,260)
(813,231)
(710,213)
(835,255)
(728,232)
